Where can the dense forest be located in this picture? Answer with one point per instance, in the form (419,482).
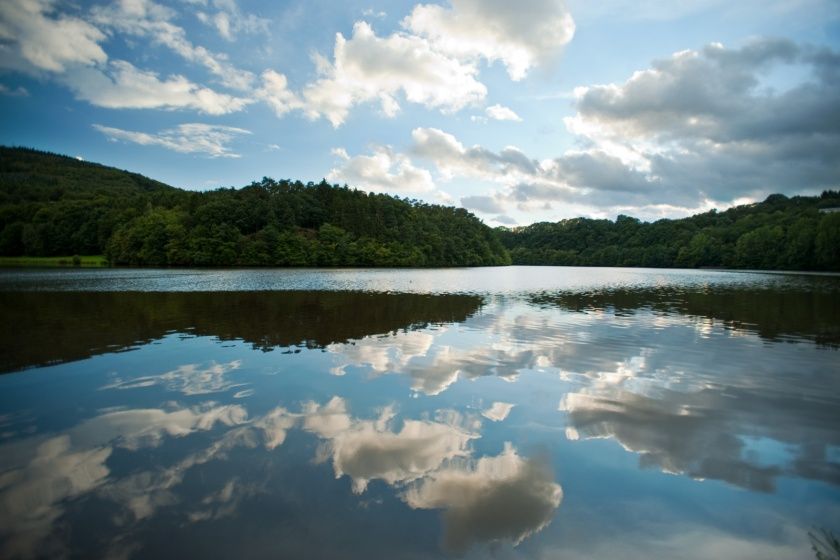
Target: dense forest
(54,205)
(780,233)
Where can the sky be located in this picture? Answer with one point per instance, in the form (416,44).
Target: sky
(526,111)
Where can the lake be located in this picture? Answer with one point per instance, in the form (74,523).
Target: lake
(517,412)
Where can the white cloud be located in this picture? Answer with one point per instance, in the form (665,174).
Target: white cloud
(495,498)
(46,40)
(368,68)
(123,86)
(706,126)
(275,91)
(191,138)
(520,34)
(501,113)
(452,158)
(38,38)
(370,12)
(144,18)
(697,130)
(382,171)
(229,20)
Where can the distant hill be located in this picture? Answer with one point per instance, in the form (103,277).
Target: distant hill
(53,205)
(781,233)
(27,174)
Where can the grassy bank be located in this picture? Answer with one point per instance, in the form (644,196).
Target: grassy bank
(76,260)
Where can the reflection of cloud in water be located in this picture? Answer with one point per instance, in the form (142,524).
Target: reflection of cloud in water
(704,434)
(506,497)
(274,425)
(495,498)
(429,460)
(133,429)
(40,474)
(367,449)
(498,411)
(30,496)
(688,394)
(144,492)
(433,366)
(189,379)
(383,354)
(686,542)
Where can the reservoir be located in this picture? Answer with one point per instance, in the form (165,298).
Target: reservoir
(512,412)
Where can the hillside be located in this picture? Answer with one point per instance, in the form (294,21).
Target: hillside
(780,233)
(55,205)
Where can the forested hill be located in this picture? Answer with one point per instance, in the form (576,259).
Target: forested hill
(52,205)
(781,233)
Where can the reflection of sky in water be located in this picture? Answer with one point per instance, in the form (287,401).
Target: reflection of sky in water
(522,430)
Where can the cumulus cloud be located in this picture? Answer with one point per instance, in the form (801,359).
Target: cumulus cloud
(382,171)
(276,93)
(501,113)
(698,129)
(705,124)
(190,138)
(452,158)
(123,86)
(434,62)
(505,497)
(520,35)
(32,30)
(37,38)
(367,68)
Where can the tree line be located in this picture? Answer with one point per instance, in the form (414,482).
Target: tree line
(54,205)
(780,233)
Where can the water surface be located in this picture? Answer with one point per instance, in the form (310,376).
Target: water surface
(518,412)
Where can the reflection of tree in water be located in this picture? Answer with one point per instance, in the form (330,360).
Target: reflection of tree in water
(41,328)
(809,310)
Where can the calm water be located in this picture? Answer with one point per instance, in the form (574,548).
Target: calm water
(513,412)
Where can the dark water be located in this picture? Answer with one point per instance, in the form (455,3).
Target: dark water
(509,413)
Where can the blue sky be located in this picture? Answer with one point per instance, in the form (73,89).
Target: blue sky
(521,112)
